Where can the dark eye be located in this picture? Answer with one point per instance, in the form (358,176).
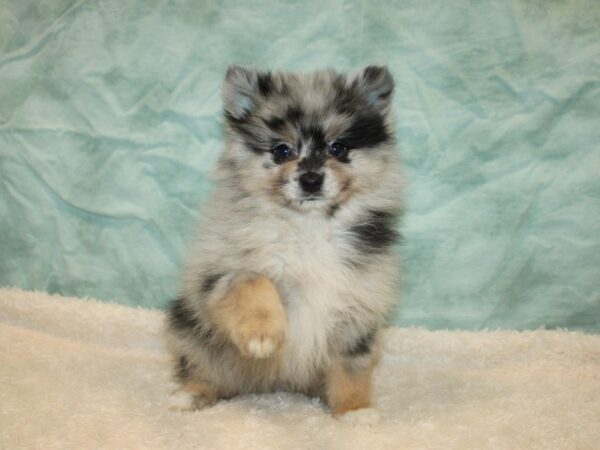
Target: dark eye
(338,150)
(282,153)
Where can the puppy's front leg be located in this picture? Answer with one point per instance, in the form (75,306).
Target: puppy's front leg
(348,383)
(251,315)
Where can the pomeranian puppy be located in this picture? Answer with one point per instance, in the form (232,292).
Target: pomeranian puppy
(293,271)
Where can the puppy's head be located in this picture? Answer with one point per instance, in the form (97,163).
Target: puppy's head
(308,141)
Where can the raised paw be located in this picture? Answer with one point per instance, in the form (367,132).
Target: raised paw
(253,316)
(261,347)
(260,337)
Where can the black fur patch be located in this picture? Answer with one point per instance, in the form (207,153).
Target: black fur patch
(346,101)
(315,135)
(209,282)
(182,369)
(367,131)
(182,319)
(376,233)
(316,157)
(276,124)
(294,114)
(372,73)
(362,346)
(313,162)
(265,84)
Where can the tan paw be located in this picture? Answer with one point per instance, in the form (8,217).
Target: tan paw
(260,338)
(261,347)
(253,315)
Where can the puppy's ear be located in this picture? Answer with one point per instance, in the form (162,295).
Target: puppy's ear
(377,84)
(243,89)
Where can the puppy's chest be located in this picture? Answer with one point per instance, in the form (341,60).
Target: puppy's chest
(307,263)
(312,252)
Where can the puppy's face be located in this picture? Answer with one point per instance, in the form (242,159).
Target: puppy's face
(309,141)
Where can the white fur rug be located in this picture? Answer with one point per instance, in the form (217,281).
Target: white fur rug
(78,374)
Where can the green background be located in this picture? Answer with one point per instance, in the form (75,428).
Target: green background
(110,123)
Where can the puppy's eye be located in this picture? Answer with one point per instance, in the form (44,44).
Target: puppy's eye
(282,153)
(338,150)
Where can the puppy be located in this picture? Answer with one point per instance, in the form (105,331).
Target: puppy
(293,271)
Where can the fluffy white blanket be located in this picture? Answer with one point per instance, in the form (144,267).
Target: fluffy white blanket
(79,374)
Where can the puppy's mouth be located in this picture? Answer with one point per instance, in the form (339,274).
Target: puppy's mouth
(311,202)
(311,198)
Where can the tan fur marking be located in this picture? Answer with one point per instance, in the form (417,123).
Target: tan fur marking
(200,389)
(283,176)
(252,316)
(347,188)
(348,391)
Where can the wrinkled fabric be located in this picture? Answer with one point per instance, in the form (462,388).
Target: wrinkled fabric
(110,123)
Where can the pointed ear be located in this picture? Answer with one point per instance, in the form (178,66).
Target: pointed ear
(377,83)
(243,89)
(239,89)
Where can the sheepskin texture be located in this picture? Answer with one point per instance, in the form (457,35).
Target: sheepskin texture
(83,374)
(111,122)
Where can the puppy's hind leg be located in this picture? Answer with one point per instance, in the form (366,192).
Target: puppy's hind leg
(192,394)
(251,315)
(348,383)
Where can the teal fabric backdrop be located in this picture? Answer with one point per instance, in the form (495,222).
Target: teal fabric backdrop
(110,123)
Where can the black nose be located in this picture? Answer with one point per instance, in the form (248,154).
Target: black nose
(311,182)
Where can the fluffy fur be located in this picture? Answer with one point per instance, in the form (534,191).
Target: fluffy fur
(293,271)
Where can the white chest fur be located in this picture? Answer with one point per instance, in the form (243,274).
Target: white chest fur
(305,259)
